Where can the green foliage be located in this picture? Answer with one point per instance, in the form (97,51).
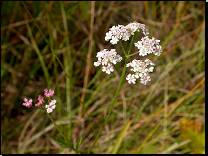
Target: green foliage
(79,143)
(61,141)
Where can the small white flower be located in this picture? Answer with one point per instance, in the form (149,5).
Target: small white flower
(141,69)
(145,78)
(96,64)
(114,40)
(100,54)
(108,69)
(131,78)
(53,102)
(51,106)
(149,62)
(157,50)
(151,69)
(108,36)
(49,110)
(107,58)
(105,61)
(148,46)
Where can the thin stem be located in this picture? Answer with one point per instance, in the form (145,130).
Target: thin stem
(133,54)
(122,48)
(111,106)
(130,47)
(34,22)
(114,100)
(60,132)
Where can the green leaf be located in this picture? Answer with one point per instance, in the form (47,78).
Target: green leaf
(79,142)
(69,143)
(63,143)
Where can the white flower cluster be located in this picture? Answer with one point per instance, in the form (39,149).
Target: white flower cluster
(141,70)
(106,58)
(124,32)
(51,106)
(148,46)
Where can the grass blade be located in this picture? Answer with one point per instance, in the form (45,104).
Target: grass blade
(120,137)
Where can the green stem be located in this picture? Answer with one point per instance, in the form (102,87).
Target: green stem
(130,47)
(133,54)
(111,106)
(118,89)
(122,48)
(61,132)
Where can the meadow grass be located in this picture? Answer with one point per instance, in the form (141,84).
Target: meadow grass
(53,45)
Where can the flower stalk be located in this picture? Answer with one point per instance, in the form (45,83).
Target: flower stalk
(111,106)
(60,132)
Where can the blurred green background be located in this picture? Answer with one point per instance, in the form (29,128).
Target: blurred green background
(60,38)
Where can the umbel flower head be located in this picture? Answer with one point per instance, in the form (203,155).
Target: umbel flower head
(41,101)
(141,69)
(27,103)
(48,93)
(49,108)
(146,46)
(121,32)
(107,58)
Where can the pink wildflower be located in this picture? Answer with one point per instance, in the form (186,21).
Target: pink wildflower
(41,101)
(48,93)
(27,103)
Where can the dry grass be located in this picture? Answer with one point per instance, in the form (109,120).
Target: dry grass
(180,26)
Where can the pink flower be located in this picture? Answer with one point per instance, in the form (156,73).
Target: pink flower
(41,101)
(48,93)
(27,103)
